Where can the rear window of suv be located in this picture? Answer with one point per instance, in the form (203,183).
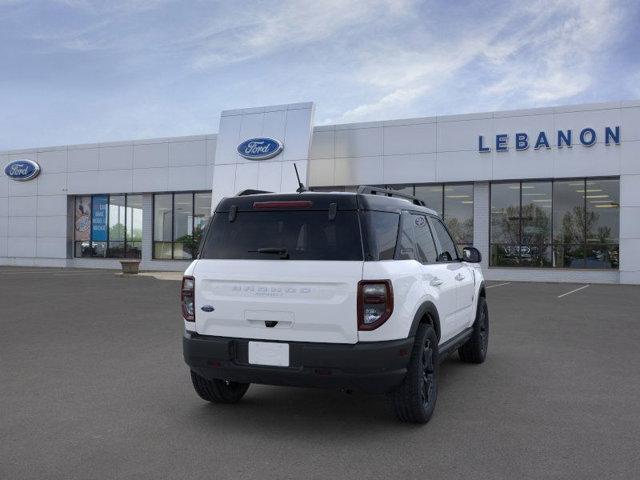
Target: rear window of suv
(286,234)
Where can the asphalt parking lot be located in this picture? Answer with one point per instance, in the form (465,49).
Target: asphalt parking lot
(92,385)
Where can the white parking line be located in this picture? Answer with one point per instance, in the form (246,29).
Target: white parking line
(573,291)
(498,285)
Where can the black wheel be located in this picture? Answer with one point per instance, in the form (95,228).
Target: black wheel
(218,391)
(475,349)
(414,400)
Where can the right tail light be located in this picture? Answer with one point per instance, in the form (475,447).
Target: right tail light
(375,303)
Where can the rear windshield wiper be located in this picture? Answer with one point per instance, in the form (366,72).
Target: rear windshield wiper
(283,252)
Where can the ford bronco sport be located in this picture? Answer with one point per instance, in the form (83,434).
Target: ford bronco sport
(358,291)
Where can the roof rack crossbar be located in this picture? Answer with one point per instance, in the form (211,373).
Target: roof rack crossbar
(251,191)
(366,189)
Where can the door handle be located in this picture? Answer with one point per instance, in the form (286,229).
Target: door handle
(436,282)
(459,277)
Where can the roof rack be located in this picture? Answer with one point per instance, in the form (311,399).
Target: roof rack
(250,191)
(366,189)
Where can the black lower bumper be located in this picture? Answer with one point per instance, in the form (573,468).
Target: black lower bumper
(373,367)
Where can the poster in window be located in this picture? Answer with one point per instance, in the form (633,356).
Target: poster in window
(99,218)
(83,219)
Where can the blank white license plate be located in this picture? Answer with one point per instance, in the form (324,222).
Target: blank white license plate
(269,353)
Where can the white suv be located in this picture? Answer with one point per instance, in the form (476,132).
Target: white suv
(359,291)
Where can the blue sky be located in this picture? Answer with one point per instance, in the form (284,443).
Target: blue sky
(76,71)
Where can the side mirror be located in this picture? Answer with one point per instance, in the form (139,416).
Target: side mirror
(471,255)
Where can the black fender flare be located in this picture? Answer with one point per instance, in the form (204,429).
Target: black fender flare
(481,291)
(427,308)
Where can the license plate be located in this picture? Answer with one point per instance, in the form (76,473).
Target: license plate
(269,353)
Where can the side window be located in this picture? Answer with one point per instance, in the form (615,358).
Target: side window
(406,241)
(448,250)
(382,233)
(425,246)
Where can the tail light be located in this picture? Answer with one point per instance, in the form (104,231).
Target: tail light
(375,303)
(188,298)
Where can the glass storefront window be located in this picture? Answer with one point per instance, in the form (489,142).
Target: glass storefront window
(117,220)
(603,223)
(564,224)
(182,225)
(458,213)
(179,220)
(431,195)
(535,228)
(108,226)
(134,226)
(505,224)
(162,225)
(569,223)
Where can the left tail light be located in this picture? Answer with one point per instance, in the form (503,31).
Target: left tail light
(375,303)
(188,298)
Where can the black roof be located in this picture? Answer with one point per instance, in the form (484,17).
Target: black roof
(322,200)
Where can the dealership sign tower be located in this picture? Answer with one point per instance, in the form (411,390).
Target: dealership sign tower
(257,147)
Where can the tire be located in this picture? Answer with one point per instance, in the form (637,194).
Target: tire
(415,399)
(475,349)
(218,391)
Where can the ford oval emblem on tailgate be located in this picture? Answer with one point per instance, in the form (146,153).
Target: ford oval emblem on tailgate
(207,308)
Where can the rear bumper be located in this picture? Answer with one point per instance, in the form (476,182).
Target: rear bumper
(373,367)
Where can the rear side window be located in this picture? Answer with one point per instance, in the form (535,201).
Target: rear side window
(424,241)
(381,234)
(287,234)
(406,239)
(448,250)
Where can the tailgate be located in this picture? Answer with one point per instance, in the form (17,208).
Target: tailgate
(303,301)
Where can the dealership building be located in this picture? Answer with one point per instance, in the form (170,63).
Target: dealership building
(547,194)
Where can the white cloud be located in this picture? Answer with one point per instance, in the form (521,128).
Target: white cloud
(544,52)
(259,32)
(159,68)
(554,63)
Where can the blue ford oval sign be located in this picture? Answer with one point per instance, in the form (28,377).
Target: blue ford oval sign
(260,148)
(22,170)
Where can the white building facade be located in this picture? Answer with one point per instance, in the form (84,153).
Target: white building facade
(549,194)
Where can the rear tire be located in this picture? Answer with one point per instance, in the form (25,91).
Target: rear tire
(475,349)
(218,391)
(415,399)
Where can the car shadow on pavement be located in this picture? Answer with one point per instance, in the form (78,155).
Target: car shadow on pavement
(315,411)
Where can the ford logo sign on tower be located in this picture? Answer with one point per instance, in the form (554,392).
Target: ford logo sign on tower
(22,170)
(260,148)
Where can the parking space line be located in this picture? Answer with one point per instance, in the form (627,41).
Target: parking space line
(573,291)
(498,285)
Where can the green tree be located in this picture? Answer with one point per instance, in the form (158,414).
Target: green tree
(191,243)
(116,232)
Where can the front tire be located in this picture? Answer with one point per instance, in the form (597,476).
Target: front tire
(475,349)
(218,391)
(415,399)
